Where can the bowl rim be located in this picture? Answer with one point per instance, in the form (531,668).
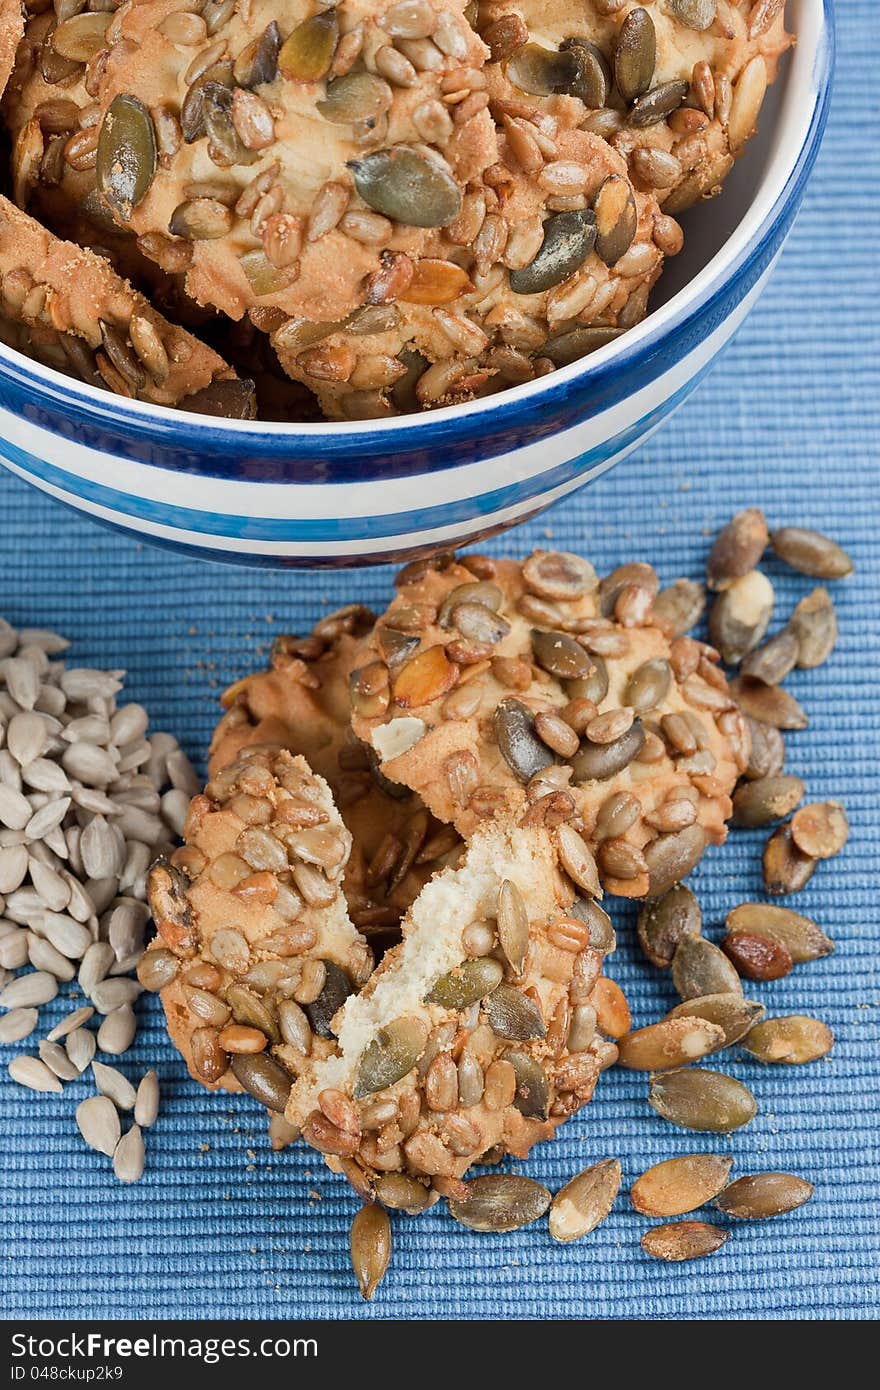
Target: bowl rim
(143,419)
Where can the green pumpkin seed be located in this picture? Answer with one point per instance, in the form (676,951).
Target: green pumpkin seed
(696,14)
(596,762)
(811,553)
(500,1202)
(488,595)
(683,1240)
(126,160)
(592,687)
(513,1015)
(738,549)
(707,1101)
(513,925)
(740,616)
(730,1012)
(560,654)
(617,217)
(358,96)
(258,61)
(663,922)
(337,988)
(200,219)
(263,276)
(766,752)
(759,1195)
(569,237)
(391,1055)
(673,1042)
(544,71)
(467,984)
(648,685)
(210,87)
(769,703)
(785,869)
(585,1201)
(248,1009)
(579,342)
(400,1192)
(406,187)
(594,79)
(396,647)
(679,1185)
(229,400)
(307,54)
(263,1078)
(767,799)
(700,968)
(370,1245)
(602,934)
(814,624)
(81,36)
(670,858)
(532,1096)
(522,750)
(793,1040)
(658,103)
(773,661)
(477,623)
(800,936)
(635,55)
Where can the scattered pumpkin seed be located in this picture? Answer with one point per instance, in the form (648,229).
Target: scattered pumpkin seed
(258,61)
(126,159)
(809,552)
(767,799)
(674,1042)
(407,187)
(401,1192)
(820,829)
(759,1195)
(732,1014)
(229,400)
(569,237)
(391,1055)
(678,608)
(585,1201)
(784,868)
(679,1185)
(769,703)
(635,55)
(671,857)
(766,751)
(664,921)
(370,1245)
(522,750)
(700,968)
(602,934)
(468,983)
(708,1101)
(800,936)
(756,957)
(792,1039)
(427,677)
(773,661)
(500,1202)
(737,549)
(814,624)
(683,1240)
(741,615)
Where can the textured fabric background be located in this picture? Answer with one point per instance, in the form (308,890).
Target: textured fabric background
(222,1227)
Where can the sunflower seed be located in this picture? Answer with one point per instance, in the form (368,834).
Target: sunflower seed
(43,956)
(680,1185)
(768,703)
(128,1156)
(401,1192)
(811,553)
(679,608)
(731,1013)
(683,1240)
(57,1060)
(800,936)
(34,1074)
(585,1201)
(15,809)
(674,1042)
(696,14)
(792,1039)
(13,867)
(27,737)
(80,1048)
(784,868)
(69,937)
(74,1020)
(500,1202)
(29,991)
(14,951)
(703,1100)
(18,1024)
(113,1084)
(663,922)
(759,1195)
(108,995)
(22,681)
(370,1242)
(95,965)
(117,1030)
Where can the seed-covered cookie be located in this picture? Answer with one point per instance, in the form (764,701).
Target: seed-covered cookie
(66,306)
(475,1037)
(11,30)
(255,951)
(676,86)
(302,703)
(539,692)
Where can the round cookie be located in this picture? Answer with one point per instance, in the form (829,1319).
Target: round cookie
(537,692)
(302,703)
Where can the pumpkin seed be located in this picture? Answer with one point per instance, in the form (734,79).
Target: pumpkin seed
(635,55)
(678,608)
(814,624)
(401,1192)
(545,71)
(657,103)
(759,1195)
(792,1039)
(809,552)
(513,925)
(200,219)
(766,750)
(81,36)
(648,685)
(820,829)
(683,1240)
(391,1055)
(500,1202)
(594,80)
(249,1010)
(696,14)
(126,160)
(572,346)
(670,858)
(741,615)
(560,654)
(336,989)
(370,1245)
(514,1015)
(732,1014)
(773,661)
(478,591)
(358,96)
(766,799)
(522,750)
(737,549)
(800,936)
(602,936)
(229,400)
(258,61)
(785,869)
(771,704)
(467,984)
(592,687)
(557,574)
(708,1101)
(569,237)
(756,957)
(263,1078)
(599,761)
(532,1095)
(403,185)
(700,968)
(663,922)
(674,1042)
(617,217)
(477,623)
(585,1201)
(307,54)
(680,1185)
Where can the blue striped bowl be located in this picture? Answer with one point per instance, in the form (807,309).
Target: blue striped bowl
(366,492)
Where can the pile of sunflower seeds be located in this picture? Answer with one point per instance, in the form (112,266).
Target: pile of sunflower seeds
(87,800)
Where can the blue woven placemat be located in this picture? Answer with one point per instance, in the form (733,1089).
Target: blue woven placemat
(222,1227)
